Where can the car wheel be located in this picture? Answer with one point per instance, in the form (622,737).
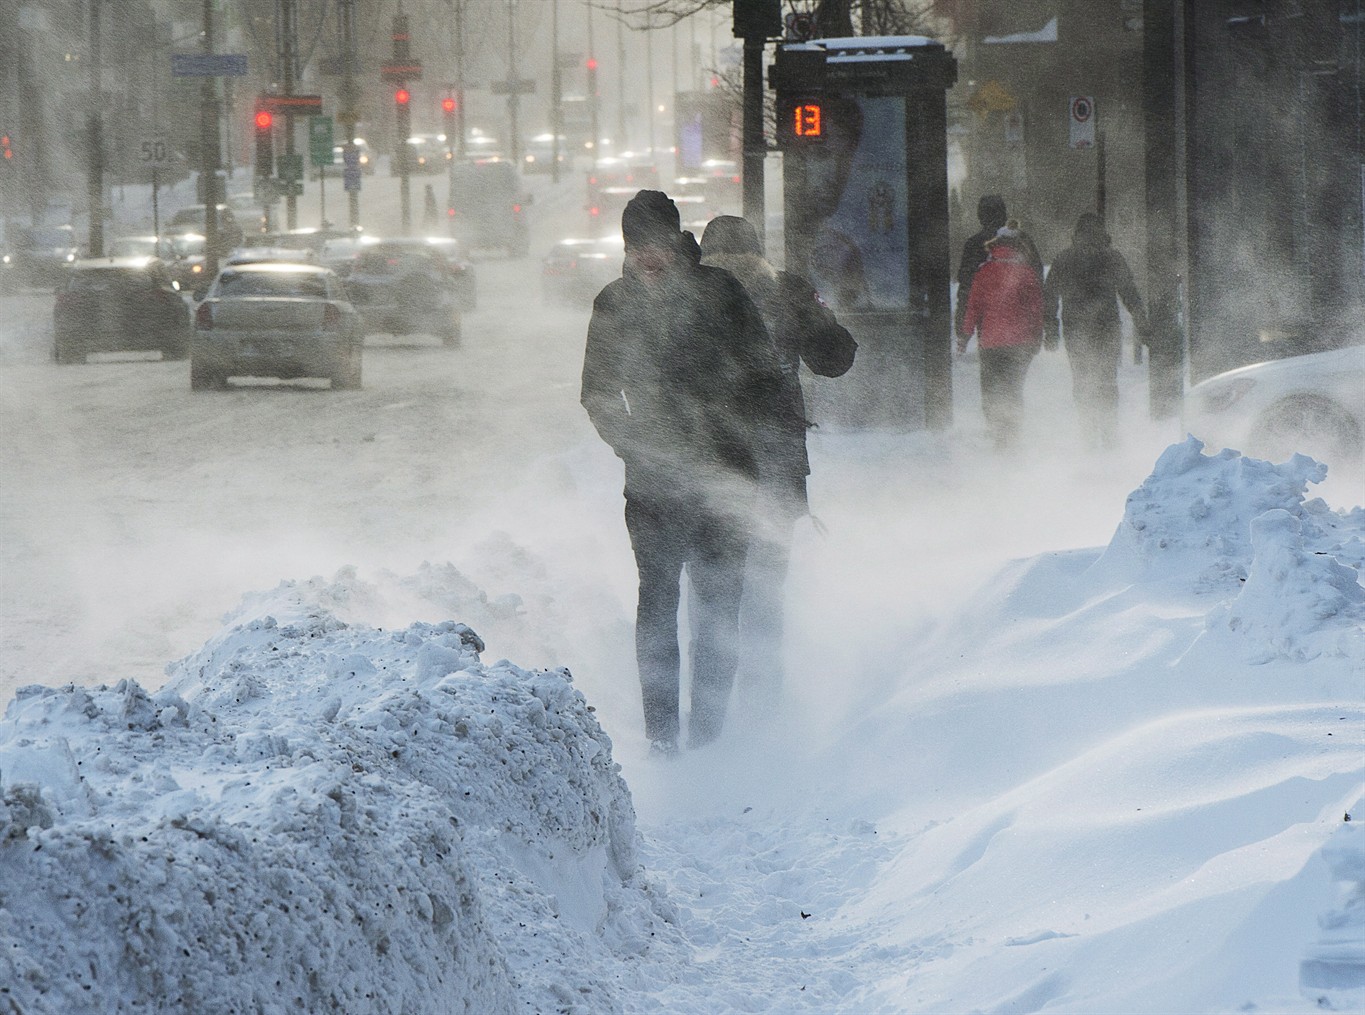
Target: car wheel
(67,351)
(204,377)
(346,377)
(1312,425)
(450,334)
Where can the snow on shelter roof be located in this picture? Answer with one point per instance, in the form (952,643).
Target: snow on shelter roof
(852,49)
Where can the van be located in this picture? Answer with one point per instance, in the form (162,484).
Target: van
(489,206)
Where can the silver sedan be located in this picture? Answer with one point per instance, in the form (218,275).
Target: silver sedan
(276,320)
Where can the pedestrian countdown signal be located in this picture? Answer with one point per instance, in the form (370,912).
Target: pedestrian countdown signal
(806,120)
(803,121)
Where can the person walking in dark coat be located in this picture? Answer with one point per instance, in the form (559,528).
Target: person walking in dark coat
(990,212)
(1005,310)
(803,330)
(681,378)
(1089,279)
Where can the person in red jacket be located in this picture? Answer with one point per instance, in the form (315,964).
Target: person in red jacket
(1005,310)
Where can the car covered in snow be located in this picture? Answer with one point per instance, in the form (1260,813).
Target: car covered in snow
(271,319)
(406,287)
(119,304)
(1314,404)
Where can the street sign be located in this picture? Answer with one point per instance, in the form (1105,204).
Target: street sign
(350,178)
(521,86)
(291,188)
(1082,121)
(290,167)
(320,140)
(208,65)
(154,153)
(291,103)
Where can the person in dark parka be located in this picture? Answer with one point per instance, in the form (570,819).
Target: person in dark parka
(1089,279)
(681,378)
(804,330)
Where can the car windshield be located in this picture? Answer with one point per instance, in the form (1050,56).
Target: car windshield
(389,262)
(50,236)
(284,284)
(134,246)
(187,245)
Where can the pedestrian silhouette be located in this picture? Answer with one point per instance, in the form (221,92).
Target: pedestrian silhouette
(681,379)
(803,330)
(1088,280)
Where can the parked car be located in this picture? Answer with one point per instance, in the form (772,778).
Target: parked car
(490,207)
(194,219)
(1314,404)
(40,255)
(119,304)
(405,287)
(276,320)
(576,270)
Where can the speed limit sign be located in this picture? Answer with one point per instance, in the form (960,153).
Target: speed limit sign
(1082,121)
(154,153)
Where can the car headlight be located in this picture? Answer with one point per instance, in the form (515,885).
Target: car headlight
(70,257)
(1227,395)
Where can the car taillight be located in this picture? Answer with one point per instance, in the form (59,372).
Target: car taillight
(516,209)
(331,318)
(203,317)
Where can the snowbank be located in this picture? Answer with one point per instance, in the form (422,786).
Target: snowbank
(316,816)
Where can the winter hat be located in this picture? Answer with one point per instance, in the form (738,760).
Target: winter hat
(1007,235)
(990,211)
(729,234)
(650,217)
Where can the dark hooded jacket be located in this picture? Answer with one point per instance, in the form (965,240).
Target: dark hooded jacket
(682,380)
(802,328)
(1088,279)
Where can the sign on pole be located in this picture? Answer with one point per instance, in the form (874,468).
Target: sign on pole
(208,65)
(1082,121)
(320,140)
(290,167)
(154,152)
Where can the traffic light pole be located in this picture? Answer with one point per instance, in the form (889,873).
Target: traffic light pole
(349,100)
(95,180)
(290,40)
(208,141)
(755,21)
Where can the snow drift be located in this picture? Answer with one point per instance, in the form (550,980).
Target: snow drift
(1118,781)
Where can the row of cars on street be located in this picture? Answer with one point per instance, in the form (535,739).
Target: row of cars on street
(289,305)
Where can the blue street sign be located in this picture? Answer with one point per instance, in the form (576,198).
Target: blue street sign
(350,177)
(208,65)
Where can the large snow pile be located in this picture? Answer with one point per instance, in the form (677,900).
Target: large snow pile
(1117,780)
(316,816)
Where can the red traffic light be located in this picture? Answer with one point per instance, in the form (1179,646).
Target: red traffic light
(265,119)
(402,96)
(448,105)
(592,63)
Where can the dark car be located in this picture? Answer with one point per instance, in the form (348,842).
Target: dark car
(41,255)
(276,320)
(575,271)
(119,304)
(194,219)
(461,268)
(489,207)
(182,253)
(404,287)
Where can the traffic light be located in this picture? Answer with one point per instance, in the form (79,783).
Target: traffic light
(265,142)
(448,106)
(402,99)
(6,152)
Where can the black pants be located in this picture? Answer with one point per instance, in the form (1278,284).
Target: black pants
(1002,390)
(762,615)
(1094,358)
(667,535)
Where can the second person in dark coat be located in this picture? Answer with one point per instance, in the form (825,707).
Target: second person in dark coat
(803,330)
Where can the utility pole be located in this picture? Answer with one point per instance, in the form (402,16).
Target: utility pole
(556,111)
(350,100)
(649,87)
(290,41)
(620,83)
(513,99)
(461,142)
(593,93)
(755,21)
(95,179)
(208,141)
